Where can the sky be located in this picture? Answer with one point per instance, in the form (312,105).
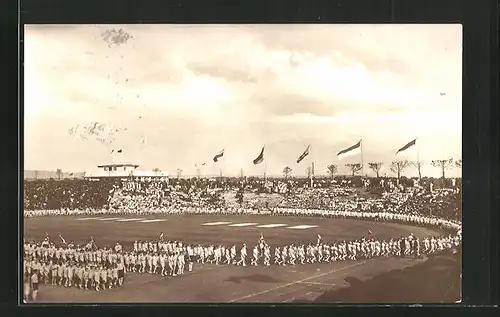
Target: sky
(173,96)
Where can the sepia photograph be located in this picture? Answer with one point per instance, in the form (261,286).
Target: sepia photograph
(242,163)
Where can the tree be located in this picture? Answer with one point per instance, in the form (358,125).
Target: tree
(418,166)
(458,163)
(354,168)
(443,165)
(332,170)
(287,171)
(398,167)
(179,173)
(59,173)
(375,166)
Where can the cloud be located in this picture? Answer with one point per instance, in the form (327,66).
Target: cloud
(221,71)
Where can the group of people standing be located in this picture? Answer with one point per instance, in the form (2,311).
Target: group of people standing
(91,268)
(84,267)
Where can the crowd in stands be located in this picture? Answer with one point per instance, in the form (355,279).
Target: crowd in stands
(66,194)
(71,197)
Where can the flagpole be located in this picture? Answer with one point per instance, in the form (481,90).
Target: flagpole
(418,154)
(265,169)
(312,166)
(418,162)
(362,163)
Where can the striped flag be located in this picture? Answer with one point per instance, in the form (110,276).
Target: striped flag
(218,156)
(259,159)
(406,148)
(352,150)
(303,155)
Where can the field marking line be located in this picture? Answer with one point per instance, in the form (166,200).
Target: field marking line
(314,283)
(245,224)
(298,281)
(106,219)
(302,227)
(273,225)
(216,223)
(130,219)
(88,218)
(152,220)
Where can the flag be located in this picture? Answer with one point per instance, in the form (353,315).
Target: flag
(119,151)
(218,156)
(203,164)
(262,242)
(92,242)
(406,147)
(62,239)
(303,155)
(370,232)
(112,151)
(259,159)
(355,149)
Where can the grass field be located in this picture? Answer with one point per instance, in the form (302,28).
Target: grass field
(210,283)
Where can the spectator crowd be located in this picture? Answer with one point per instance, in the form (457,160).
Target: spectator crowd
(70,197)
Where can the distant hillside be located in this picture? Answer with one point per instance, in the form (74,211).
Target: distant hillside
(35,174)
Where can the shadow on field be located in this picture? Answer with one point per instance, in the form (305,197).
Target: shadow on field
(437,280)
(259,278)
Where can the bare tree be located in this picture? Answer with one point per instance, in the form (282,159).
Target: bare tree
(458,163)
(179,172)
(287,171)
(375,166)
(418,166)
(332,170)
(398,167)
(354,168)
(156,170)
(443,165)
(59,173)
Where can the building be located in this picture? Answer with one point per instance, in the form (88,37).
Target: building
(123,171)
